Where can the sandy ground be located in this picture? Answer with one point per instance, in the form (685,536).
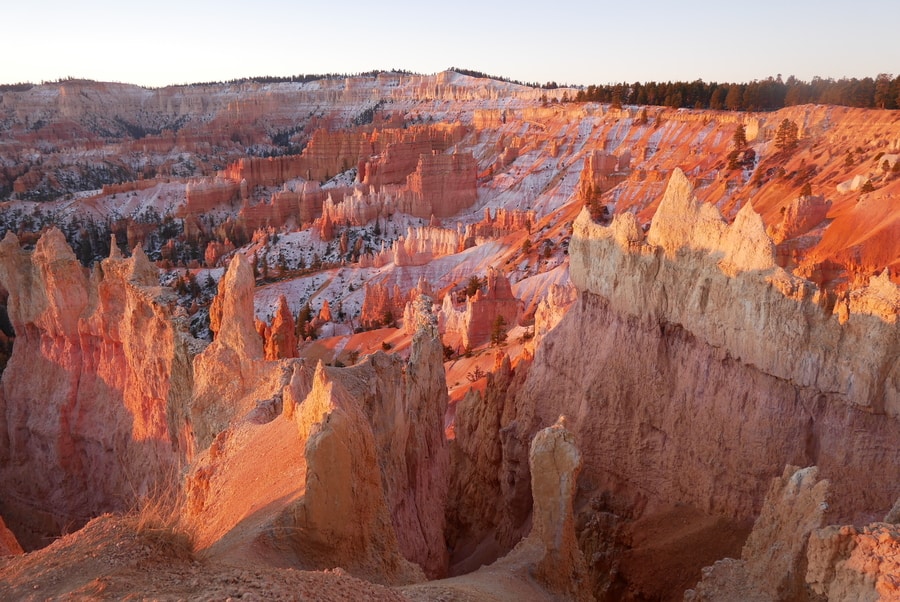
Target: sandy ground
(111,560)
(114,558)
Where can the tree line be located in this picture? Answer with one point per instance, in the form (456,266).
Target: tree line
(881,92)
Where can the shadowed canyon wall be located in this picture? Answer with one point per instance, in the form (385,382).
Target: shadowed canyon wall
(692,369)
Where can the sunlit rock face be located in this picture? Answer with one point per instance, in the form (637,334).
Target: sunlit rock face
(735,298)
(356,464)
(854,563)
(231,374)
(484,314)
(405,404)
(773,562)
(442,185)
(94,400)
(9,545)
(343,518)
(280,339)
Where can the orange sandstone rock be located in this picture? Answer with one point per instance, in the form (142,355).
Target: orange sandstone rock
(232,366)
(502,222)
(394,465)
(280,339)
(342,519)
(8,543)
(855,563)
(477,320)
(772,564)
(382,305)
(98,385)
(325,313)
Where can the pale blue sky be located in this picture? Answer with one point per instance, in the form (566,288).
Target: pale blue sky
(169,41)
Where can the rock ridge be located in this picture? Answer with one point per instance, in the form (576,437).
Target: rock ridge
(720,282)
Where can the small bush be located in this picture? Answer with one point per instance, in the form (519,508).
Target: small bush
(475,374)
(156,519)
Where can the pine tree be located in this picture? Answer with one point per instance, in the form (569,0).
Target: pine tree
(740,138)
(733,100)
(498,331)
(473,286)
(786,135)
(303,319)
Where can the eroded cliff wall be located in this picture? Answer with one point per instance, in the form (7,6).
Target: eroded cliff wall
(93,402)
(693,369)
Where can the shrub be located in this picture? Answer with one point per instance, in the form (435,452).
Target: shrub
(156,519)
(474,285)
(475,374)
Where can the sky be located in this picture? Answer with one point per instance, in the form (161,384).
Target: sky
(578,42)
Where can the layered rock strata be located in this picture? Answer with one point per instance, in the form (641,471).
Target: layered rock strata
(94,402)
(501,223)
(496,309)
(419,247)
(705,297)
(441,186)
